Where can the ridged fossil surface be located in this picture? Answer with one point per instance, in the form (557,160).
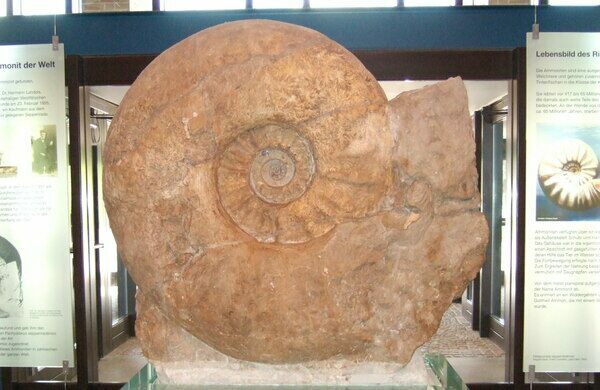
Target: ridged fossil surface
(269,200)
(568,175)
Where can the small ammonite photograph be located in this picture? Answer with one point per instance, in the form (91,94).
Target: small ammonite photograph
(568,172)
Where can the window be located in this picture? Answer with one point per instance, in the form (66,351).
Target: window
(428,3)
(140,5)
(2,7)
(574,2)
(38,7)
(277,3)
(189,5)
(352,3)
(476,2)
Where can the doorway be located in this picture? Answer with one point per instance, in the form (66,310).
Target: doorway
(485,301)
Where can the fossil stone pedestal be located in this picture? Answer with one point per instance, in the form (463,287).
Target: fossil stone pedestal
(323,373)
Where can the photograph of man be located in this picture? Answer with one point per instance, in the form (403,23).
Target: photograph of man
(11,292)
(44,151)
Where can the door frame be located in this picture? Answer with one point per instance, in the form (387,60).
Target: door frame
(492,193)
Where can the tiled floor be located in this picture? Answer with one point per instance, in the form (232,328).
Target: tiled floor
(455,338)
(475,359)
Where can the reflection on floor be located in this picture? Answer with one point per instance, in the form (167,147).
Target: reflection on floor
(122,363)
(479,369)
(475,359)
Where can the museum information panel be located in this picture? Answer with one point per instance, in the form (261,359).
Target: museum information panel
(562,247)
(35,273)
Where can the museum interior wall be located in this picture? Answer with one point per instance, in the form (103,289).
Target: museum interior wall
(148,33)
(384,29)
(126,5)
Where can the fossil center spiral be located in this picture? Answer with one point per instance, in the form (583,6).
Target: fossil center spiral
(572,166)
(273,167)
(262,180)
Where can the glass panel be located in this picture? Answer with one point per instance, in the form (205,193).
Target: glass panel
(428,3)
(352,3)
(444,373)
(38,7)
(42,373)
(441,376)
(111,267)
(2,7)
(506,223)
(574,2)
(500,2)
(277,3)
(499,170)
(121,305)
(111,261)
(183,5)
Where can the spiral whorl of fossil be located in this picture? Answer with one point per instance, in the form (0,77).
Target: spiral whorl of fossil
(568,175)
(260,174)
(271,203)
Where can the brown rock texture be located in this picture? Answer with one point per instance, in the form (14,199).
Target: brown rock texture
(268,199)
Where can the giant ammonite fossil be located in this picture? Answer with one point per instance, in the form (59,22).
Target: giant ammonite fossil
(269,200)
(568,175)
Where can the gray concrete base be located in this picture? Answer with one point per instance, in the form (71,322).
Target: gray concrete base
(329,372)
